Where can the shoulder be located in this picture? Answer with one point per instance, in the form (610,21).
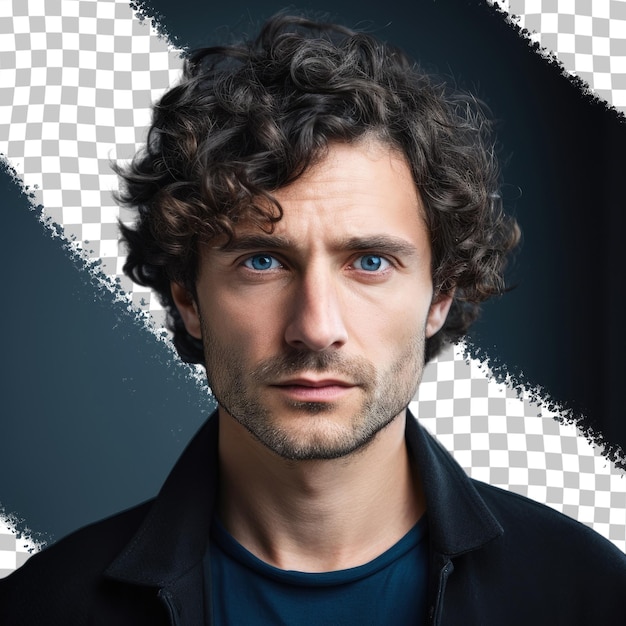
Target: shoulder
(547,550)
(544,568)
(526,520)
(65,577)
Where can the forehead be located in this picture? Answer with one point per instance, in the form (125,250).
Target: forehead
(363,188)
(365,173)
(357,197)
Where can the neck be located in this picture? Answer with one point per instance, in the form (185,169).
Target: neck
(321,515)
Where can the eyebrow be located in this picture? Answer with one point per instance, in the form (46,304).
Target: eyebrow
(245,243)
(379,243)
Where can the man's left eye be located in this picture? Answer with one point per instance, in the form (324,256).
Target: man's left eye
(371,263)
(261,262)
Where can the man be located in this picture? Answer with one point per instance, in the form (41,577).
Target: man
(319,217)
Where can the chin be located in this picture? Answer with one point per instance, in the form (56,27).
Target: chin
(319,439)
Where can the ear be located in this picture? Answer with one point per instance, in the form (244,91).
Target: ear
(187,308)
(438,312)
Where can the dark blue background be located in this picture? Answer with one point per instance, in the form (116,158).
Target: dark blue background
(95,411)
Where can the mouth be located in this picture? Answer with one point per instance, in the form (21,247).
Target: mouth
(314,390)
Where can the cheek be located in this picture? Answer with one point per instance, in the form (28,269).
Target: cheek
(249,325)
(385,332)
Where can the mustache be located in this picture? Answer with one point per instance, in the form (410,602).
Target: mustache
(356,370)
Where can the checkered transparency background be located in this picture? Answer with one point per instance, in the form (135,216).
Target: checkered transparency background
(77,78)
(587,37)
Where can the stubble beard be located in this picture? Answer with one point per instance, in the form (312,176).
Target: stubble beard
(385,396)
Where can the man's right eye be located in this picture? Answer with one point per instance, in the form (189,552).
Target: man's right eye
(262,262)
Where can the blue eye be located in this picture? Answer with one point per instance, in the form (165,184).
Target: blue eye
(262,262)
(371,263)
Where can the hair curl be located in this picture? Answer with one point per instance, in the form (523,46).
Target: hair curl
(248,119)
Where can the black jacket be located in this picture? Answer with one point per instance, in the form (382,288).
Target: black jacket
(497,559)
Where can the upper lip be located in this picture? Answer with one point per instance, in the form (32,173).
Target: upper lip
(314,382)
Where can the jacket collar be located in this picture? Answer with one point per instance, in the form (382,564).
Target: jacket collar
(459,521)
(174,534)
(173,537)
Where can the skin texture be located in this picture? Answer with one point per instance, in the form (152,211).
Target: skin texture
(314,343)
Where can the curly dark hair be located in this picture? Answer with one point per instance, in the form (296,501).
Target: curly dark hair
(248,119)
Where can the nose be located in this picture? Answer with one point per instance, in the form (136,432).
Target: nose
(316,322)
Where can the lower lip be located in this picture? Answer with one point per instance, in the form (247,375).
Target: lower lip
(301,393)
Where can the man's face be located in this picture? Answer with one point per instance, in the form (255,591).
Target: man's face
(314,334)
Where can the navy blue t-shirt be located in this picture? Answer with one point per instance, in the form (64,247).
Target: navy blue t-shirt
(391,589)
